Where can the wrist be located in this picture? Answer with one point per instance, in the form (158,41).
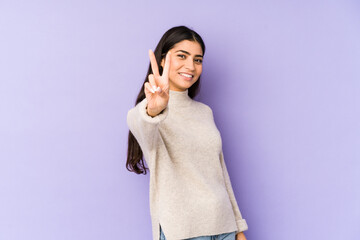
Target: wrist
(152,112)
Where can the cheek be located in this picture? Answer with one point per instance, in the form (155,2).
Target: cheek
(174,67)
(199,69)
(175,64)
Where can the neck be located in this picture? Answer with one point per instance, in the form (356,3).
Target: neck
(179,98)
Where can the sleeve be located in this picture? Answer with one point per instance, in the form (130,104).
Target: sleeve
(240,222)
(145,127)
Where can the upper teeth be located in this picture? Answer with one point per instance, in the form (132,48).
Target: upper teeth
(186,75)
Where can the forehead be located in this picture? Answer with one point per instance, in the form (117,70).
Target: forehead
(194,48)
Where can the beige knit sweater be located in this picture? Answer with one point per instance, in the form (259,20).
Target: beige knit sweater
(190,189)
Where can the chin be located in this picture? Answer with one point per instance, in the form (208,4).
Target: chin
(181,84)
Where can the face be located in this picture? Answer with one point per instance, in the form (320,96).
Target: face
(186,65)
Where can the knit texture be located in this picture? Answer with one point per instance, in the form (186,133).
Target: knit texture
(190,189)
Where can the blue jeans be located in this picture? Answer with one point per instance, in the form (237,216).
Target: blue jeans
(223,236)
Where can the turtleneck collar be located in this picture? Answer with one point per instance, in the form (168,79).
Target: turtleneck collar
(179,98)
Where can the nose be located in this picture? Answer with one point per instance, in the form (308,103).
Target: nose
(190,64)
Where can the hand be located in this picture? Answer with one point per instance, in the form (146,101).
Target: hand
(157,89)
(240,236)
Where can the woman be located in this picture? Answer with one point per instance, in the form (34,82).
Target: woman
(191,196)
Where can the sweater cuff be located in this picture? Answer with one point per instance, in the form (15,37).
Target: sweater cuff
(158,118)
(242,225)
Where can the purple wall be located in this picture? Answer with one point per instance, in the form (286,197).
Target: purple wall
(283,80)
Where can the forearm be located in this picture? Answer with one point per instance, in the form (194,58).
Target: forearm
(240,236)
(153,112)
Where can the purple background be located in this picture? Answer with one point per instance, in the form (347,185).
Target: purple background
(283,80)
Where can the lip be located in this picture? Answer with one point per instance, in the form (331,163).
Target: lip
(187,73)
(186,78)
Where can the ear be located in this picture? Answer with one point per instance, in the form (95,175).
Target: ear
(162,62)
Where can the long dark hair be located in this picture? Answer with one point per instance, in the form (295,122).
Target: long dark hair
(174,35)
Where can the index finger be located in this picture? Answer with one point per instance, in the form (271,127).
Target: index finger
(167,65)
(154,66)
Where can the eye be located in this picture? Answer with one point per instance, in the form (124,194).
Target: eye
(181,55)
(199,60)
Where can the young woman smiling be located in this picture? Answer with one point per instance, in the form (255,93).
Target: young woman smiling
(191,195)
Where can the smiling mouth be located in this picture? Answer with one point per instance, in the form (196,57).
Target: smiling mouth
(187,76)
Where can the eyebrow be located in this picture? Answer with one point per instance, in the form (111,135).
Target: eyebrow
(189,53)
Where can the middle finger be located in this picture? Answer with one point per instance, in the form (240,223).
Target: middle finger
(154,66)
(152,81)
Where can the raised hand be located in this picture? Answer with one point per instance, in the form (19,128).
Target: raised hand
(157,89)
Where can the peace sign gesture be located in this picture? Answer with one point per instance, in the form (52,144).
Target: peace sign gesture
(157,89)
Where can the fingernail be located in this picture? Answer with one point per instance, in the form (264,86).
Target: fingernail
(152,91)
(154,87)
(159,89)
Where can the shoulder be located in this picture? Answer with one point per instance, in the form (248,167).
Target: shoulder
(204,107)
